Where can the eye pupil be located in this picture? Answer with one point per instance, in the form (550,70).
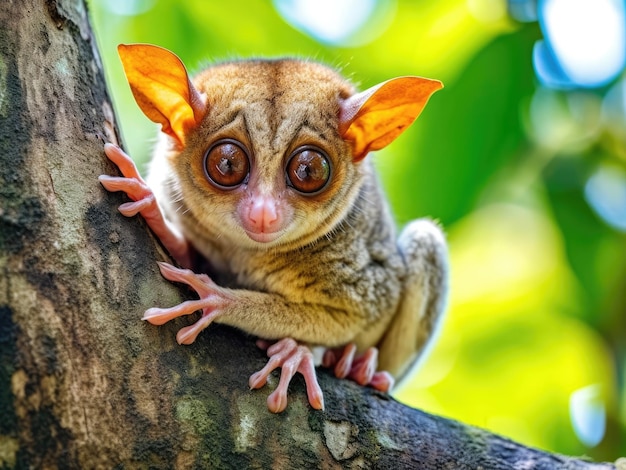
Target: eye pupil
(227,164)
(303,172)
(308,170)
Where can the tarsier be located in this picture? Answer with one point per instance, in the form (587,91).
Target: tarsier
(260,179)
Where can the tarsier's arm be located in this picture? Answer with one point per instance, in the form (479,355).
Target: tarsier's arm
(361,289)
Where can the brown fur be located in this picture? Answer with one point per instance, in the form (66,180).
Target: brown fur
(337,274)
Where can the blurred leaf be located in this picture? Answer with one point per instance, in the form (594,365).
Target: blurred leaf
(470,130)
(586,237)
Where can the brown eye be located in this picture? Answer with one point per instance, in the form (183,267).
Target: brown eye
(308,170)
(227,164)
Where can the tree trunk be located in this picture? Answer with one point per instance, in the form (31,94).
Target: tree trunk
(84,383)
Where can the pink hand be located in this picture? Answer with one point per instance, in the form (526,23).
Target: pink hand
(361,369)
(211,301)
(144,203)
(291,357)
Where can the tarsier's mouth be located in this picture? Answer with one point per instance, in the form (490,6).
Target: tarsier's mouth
(264,237)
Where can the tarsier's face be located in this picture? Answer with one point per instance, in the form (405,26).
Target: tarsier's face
(268,166)
(267,152)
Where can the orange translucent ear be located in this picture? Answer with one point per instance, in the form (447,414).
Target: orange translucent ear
(372,119)
(162,89)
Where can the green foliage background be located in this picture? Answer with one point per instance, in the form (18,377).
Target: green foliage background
(537,310)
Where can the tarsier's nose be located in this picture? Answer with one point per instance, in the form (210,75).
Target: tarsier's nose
(262,218)
(263,215)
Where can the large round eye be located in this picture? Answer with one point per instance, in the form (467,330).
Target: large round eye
(308,170)
(226,164)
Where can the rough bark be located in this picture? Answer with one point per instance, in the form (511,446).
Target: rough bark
(83,382)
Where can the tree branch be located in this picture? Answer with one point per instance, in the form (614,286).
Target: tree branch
(83,382)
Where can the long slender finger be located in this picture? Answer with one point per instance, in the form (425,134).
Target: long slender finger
(344,365)
(364,367)
(122,160)
(382,381)
(158,316)
(130,209)
(263,344)
(277,400)
(188,334)
(330,358)
(135,189)
(313,389)
(258,379)
(277,356)
(202,284)
(291,358)
(286,346)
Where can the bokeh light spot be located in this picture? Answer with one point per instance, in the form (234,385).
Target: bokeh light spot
(606,193)
(128,7)
(586,37)
(588,414)
(337,22)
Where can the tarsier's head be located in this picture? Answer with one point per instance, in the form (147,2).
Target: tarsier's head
(268,152)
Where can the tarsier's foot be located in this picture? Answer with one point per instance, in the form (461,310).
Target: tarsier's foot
(210,302)
(291,357)
(361,368)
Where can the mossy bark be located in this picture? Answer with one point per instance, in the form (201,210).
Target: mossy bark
(83,382)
